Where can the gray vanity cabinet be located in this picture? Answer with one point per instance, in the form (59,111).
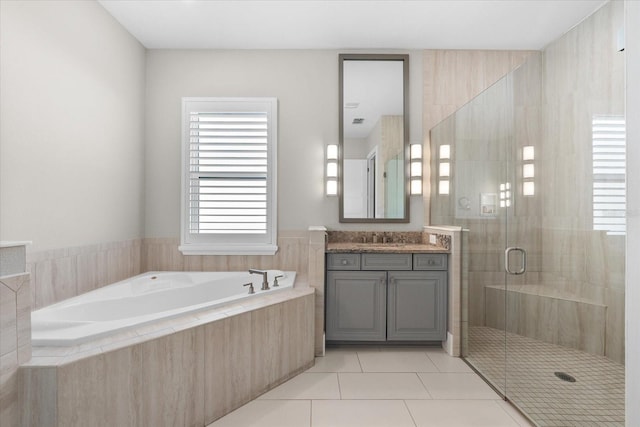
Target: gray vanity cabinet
(416,304)
(386,297)
(356,305)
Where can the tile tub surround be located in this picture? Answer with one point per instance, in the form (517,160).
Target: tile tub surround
(67,272)
(184,372)
(15,341)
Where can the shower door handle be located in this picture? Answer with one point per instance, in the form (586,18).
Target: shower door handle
(507,251)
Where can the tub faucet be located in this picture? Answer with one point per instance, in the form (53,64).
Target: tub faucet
(265,282)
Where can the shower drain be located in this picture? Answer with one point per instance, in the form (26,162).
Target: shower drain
(565,377)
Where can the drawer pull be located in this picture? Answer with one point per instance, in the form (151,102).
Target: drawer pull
(344,262)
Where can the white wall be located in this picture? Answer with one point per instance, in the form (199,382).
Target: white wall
(632,292)
(306,85)
(71,133)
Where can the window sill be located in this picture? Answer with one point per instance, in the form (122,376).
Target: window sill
(192,249)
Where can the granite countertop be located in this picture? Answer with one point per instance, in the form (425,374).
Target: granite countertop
(394,248)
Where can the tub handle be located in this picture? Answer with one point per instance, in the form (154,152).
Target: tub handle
(250,285)
(275,280)
(523,267)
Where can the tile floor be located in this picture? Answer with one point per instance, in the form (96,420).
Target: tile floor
(596,399)
(376,387)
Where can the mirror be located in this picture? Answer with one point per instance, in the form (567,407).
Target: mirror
(374,132)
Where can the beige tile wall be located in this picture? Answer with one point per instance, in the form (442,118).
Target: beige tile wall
(162,254)
(15,341)
(188,378)
(555,95)
(64,273)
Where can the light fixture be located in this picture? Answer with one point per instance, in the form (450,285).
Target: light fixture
(415,155)
(528,170)
(528,188)
(528,153)
(444,168)
(332,170)
(445,152)
(443,187)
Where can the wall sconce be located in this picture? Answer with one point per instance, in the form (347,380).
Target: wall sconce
(332,170)
(416,169)
(444,169)
(528,188)
(528,170)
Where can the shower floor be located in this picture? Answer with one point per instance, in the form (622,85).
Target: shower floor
(595,399)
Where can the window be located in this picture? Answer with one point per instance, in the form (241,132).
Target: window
(229,176)
(609,172)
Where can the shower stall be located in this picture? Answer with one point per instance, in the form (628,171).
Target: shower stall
(533,170)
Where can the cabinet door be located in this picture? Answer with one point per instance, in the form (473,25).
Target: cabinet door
(417,306)
(356,305)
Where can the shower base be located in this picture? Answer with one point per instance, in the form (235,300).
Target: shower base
(595,399)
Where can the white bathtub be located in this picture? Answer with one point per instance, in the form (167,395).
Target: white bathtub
(144,299)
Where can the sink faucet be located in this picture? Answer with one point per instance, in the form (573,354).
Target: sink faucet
(265,282)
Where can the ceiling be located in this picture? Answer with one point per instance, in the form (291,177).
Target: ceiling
(353,24)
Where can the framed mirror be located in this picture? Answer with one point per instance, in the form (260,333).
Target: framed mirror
(374,138)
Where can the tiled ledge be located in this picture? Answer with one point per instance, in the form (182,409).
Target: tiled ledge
(57,356)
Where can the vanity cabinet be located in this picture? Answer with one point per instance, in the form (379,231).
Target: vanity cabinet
(386,297)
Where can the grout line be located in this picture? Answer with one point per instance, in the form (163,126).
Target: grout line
(311,413)
(339,387)
(410,414)
(423,385)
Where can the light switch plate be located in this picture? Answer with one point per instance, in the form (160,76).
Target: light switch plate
(432,239)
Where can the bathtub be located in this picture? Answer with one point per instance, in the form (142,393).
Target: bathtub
(143,299)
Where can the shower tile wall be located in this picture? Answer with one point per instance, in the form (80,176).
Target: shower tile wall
(581,75)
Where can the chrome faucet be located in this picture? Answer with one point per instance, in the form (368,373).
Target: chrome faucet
(265,282)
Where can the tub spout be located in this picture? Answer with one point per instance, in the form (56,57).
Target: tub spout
(265,282)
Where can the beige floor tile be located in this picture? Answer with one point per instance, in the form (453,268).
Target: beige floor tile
(446,363)
(268,413)
(396,361)
(307,386)
(382,386)
(365,413)
(457,386)
(514,413)
(337,361)
(459,413)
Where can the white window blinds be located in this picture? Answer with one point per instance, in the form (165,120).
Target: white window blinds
(609,174)
(230,173)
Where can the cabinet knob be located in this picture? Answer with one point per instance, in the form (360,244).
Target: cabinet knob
(431,262)
(344,262)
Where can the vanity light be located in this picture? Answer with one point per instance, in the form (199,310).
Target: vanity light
(443,187)
(445,152)
(332,187)
(332,170)
(444,169)
(528,188)
(528,170)
(528,153)
(332,152)
(415,154)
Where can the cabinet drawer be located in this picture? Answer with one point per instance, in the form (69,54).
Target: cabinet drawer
(386,261)
(343,262)
(429,261)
